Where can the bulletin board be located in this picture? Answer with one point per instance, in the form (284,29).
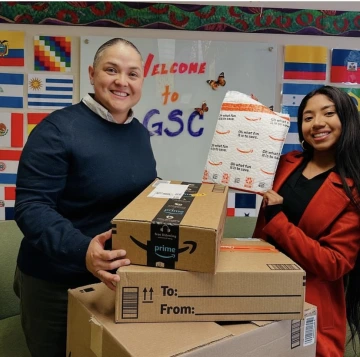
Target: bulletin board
(176,82)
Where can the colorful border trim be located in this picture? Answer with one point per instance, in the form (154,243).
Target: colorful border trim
(184,17)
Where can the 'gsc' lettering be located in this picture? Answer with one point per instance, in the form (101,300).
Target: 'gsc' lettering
(174,116)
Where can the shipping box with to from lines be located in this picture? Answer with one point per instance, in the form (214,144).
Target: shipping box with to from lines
(174,225)
(93,332)
(253,281)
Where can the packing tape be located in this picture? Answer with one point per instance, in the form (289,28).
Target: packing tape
(248,248)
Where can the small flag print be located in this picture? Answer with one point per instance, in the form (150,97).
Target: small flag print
(9,163)
(305,62)
(345,66)
(7,202)
(52,53)
(241,204)
(11,90)
(50,91)
(11,130)
(33,119)
(12,48)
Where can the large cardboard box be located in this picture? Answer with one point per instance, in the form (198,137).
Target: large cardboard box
(93,333)
(253,281)
(181,231)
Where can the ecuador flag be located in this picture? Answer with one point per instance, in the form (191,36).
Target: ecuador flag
(12,48)
(345,66)
(305,62)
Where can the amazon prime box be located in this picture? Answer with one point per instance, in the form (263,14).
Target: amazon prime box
(174,225)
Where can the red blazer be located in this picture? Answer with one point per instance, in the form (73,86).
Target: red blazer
(325,244)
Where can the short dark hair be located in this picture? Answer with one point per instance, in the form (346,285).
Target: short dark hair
(110,43)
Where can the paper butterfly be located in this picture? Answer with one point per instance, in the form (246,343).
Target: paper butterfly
(204,108)
(220,82)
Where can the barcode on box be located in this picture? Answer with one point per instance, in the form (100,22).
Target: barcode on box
(283,266)
(130,303)
(310,328)
(295,333)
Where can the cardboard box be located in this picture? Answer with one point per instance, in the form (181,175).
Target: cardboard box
(182,231)
(93,333)
(253,281)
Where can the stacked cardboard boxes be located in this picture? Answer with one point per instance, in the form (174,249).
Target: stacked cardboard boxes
(93,333)
(183,270)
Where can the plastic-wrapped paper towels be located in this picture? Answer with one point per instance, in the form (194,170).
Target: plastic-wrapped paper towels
(247,144)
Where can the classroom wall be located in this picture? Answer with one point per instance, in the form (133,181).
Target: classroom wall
(280,39)
(76,32)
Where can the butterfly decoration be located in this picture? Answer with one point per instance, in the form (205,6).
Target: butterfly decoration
(204,108)
(220,81)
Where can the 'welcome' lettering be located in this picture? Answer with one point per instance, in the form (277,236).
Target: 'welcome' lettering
(175,67)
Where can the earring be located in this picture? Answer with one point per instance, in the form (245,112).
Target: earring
(302,145)
(92,83)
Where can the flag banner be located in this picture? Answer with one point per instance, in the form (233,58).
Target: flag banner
(11,130)
(292,95)
(52,53)
(12,48)
(305,62)
(241,204)
(345,66)
(11,90)
(50,91)
(33,119)
(9,163)
(7,202)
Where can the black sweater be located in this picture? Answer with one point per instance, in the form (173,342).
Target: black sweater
(76,172)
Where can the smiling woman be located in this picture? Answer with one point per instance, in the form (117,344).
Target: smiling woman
(312,213)
(117,77)
(79,168)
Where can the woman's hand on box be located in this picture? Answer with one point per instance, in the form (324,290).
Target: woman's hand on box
(100,261)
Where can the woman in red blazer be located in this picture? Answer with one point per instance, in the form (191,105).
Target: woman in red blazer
(312,212)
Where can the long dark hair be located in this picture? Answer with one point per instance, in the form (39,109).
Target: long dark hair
(347,159)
